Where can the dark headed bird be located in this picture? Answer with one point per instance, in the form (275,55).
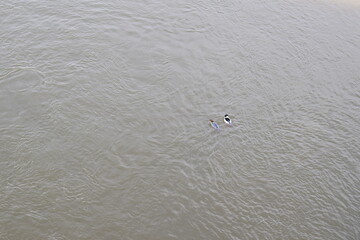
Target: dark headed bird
(227,120)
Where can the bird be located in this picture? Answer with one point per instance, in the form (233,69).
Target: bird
(227,120)
(214,124)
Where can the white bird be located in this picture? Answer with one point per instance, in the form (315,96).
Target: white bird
(227,120)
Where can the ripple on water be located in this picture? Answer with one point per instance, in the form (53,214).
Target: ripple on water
(21,91)
(21,79)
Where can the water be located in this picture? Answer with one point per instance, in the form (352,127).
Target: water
(104,110)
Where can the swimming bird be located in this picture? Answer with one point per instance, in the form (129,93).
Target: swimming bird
(227,120)
(214,124)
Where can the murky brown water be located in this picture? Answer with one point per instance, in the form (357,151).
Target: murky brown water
(104,109)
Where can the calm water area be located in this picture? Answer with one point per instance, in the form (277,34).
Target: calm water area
(105,108)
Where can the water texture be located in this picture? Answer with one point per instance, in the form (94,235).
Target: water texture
(104,110)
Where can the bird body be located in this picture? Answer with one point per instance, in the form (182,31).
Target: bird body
(214,124)
(227,120)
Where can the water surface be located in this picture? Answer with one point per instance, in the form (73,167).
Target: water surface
(104,109)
